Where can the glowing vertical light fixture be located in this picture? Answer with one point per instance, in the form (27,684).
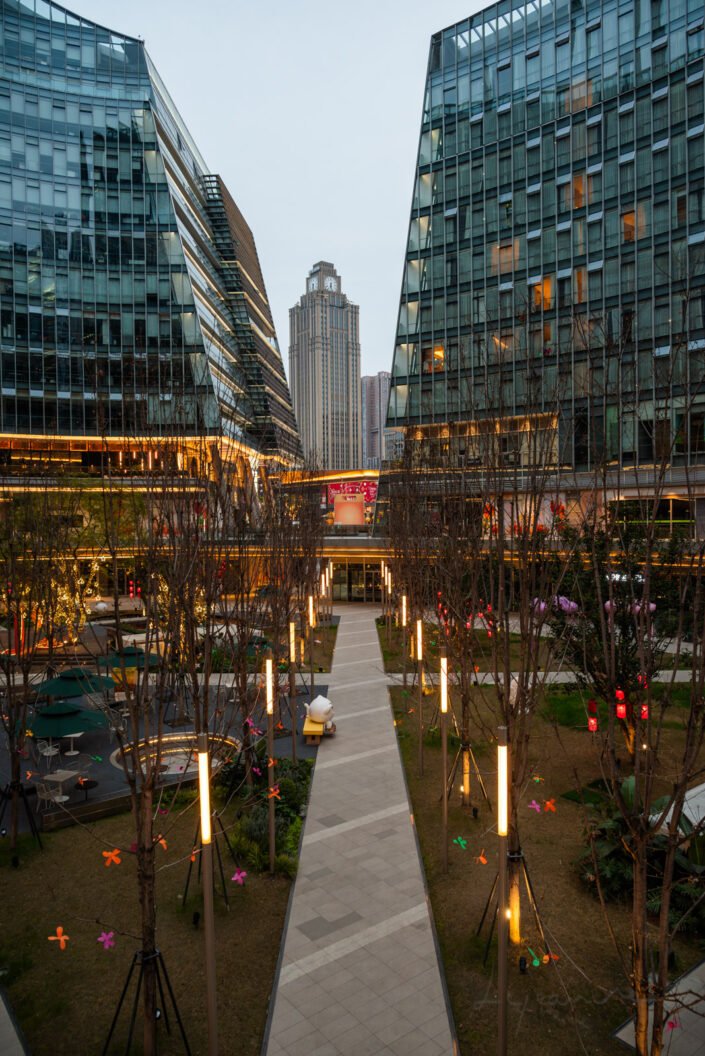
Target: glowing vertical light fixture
(269,684)
(502,788)
(204,776)
(204,787)
(444,754)
(503,912)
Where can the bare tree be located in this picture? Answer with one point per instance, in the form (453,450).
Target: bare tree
(43,603)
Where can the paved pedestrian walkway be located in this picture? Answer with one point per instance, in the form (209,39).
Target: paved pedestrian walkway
(360,972)
(11,1043)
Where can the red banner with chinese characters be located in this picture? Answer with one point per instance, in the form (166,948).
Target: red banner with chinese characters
(366,488)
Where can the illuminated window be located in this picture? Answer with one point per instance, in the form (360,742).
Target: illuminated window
(579,285)
(578,191)
(543,294)
(433,358)
(505,256)
(629,226)
(634,224)
(503,345)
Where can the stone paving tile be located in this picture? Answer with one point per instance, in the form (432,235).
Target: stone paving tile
(360,972)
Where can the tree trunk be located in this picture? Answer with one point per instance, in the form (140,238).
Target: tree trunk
(147,890)
(15,785)
(640,971)
(465,738)
(664,946)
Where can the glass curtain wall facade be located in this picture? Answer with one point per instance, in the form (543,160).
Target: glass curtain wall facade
(117,309)
(555,257)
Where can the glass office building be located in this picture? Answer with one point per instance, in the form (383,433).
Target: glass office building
(132,303)
(556,254)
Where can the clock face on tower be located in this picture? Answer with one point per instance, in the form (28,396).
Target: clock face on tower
(330,283)
(312,285)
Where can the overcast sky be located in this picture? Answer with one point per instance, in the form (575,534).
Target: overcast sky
(310,111)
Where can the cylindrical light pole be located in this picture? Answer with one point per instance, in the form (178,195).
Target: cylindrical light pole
(403,633)
(419,662)
(269,689)
(444,749)
(311,621)
(502,903)
(292,686)
(389,606)
(324,597)
(204,775)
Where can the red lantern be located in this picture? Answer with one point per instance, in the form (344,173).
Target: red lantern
(644,712)
(621,711)
(592,707)
(592,723)
(131,588)
(619,694)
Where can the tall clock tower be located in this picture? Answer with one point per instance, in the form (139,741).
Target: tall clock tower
(324,369)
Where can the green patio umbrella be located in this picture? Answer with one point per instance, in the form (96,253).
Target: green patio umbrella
(63,718)
(74,682)
(130,656)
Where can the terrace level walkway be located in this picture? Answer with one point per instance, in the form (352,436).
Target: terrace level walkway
(359,972)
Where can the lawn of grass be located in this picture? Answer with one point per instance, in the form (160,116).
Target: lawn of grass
(64,1001)
(567,705)
(324,637)
(393,656)
(571,1006)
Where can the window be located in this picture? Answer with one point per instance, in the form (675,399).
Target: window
(579,285)
(634,224)
(594,189)
(433,358)
(542,294)
(504,257)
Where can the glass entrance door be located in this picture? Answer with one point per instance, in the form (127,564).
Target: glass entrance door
(373,583)
(356,582)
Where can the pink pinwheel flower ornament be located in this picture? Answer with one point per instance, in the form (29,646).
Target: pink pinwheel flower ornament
(239,876)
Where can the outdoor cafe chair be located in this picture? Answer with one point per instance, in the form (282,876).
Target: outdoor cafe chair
(47,749)
(49,795)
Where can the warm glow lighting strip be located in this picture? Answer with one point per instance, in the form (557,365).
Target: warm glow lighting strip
(444,684)
(502,791)
(310,610)
(419,640)
(204,788)
(292,642)
(269,683)
(403,610)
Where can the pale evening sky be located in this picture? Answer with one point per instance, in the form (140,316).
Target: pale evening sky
(310,111)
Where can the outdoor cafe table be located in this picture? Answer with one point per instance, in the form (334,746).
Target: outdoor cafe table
(72,737)
(58,777)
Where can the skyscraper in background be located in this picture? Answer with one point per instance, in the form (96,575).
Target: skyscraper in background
(324,370)
(375,396)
